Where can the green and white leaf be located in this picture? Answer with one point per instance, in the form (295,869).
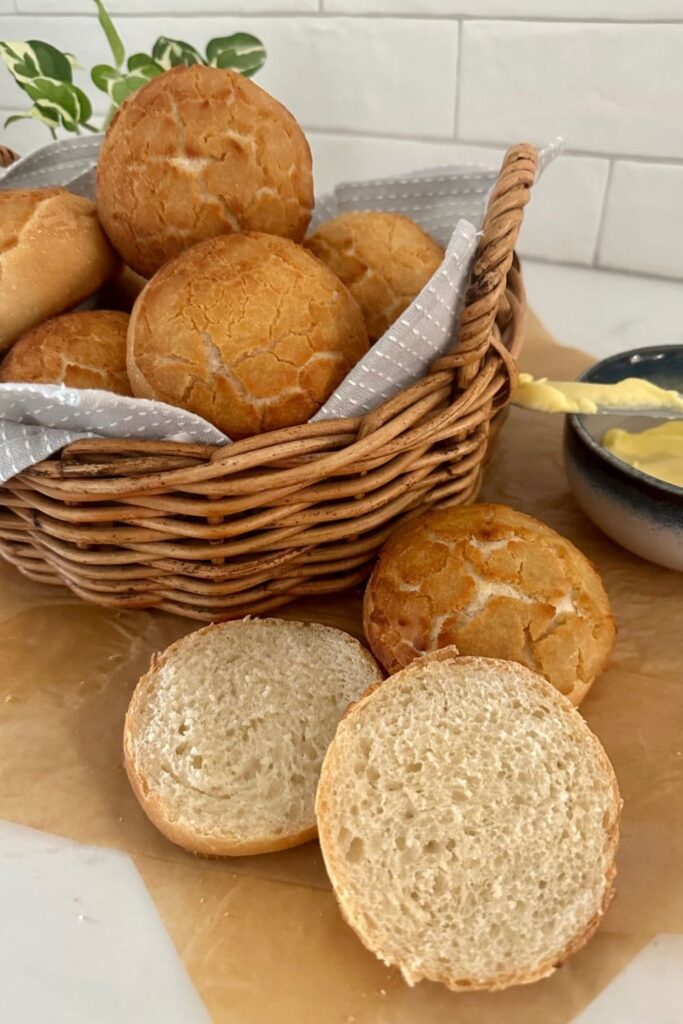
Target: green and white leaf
(61,100)
(104,76)
(46,74)
(35,59)
(143,62)
(119,85)
(171,53)
(116,46)
(52,63)
(241,52)
(48,118)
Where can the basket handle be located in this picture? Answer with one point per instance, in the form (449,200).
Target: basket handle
(494,256)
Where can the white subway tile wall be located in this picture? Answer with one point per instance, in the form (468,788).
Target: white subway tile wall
(614,88)
(171,6)
(643,228)
(385,86)
(610,10)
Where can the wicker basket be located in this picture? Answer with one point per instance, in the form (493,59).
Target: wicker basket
(218,532)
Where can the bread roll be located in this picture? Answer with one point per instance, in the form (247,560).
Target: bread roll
(225,734)
(384,259)
(199,152)
(81,350)
(496,583)
(53,255)
(249,331)
(469,823)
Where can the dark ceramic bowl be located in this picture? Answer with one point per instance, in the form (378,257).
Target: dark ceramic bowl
(639,512)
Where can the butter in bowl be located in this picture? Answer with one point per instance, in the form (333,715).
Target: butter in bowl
(626,471)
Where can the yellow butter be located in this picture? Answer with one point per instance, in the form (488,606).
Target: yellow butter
(657,451)
(582,397)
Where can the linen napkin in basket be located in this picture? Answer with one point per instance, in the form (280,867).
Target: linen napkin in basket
(37,420)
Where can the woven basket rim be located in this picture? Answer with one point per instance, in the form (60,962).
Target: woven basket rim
(213,532)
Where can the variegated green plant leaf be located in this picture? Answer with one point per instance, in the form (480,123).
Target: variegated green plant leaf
(143,62)
(46,74)
(104,76)
(120,84)
(241,52)
(170,53)
(35,59)
(62,99)
(48,118)
(113,38)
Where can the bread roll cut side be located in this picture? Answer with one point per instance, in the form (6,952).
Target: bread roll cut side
(225,734)
(468,819)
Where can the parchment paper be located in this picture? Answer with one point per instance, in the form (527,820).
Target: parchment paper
(261,937)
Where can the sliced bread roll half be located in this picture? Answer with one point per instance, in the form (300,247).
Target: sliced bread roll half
(225,734)
(468,818)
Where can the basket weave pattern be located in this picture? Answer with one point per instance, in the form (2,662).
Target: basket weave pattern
(220,532)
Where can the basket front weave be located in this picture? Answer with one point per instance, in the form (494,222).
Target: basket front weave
(219,532)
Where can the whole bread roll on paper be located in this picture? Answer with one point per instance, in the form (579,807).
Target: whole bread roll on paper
(249,331)
(80,350)
(496,583)
(199,152)
(53,255)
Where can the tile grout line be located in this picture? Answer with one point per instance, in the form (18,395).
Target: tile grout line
(603,215)
(458,81)
(364,16)
(674,161)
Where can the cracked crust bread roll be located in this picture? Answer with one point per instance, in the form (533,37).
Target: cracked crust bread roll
(199,152)
(225,734)
(384,259)
(80,350)
(53,255)
(249,331)
(495,583)
(469,822)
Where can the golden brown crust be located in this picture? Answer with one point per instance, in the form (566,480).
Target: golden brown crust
(191,840)
(53,255)
(199,152)
(496,583)
(80,350)
(249,330)
(384,259)
(545,967)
